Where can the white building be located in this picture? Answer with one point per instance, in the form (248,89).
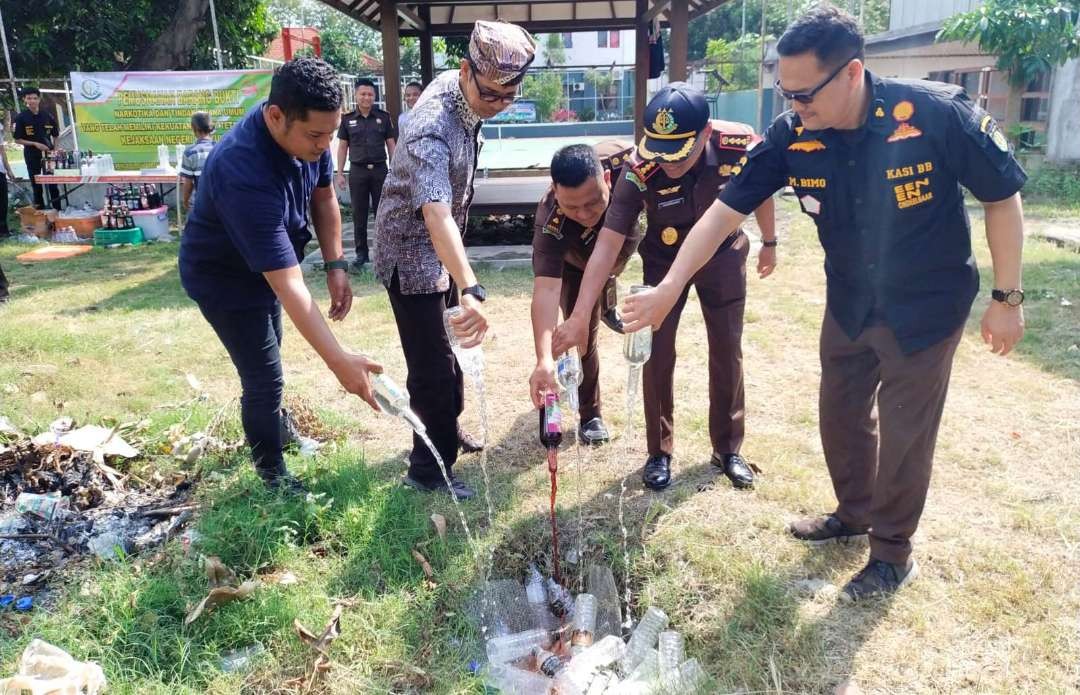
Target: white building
(592,48)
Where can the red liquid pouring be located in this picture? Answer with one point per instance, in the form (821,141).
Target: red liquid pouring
(551,438)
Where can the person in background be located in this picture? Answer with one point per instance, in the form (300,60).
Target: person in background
(36,130)
(191,165)
(878,164)
(420,254)
(5,231)
(413,90)
(365,137)
(240,251)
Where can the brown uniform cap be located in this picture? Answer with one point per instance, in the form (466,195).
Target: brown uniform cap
(501,51)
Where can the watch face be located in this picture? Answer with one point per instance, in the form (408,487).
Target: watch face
(1014,298)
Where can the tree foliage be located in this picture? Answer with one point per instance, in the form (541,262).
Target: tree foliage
(50,38)
(735,63)
(546,89)
(1028,36)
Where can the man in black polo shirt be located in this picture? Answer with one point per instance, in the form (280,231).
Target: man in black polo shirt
(241,249)
(877,163)
(365,137)
(36,130)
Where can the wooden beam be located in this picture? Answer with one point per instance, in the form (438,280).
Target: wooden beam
(544,26)
(413,18)
(705,7)
(680,19)
(641,68)
(611,7)
(391,57)
(427,54)
(659,7)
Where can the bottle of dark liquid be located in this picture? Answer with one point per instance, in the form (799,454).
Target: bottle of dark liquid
(551,422)
(155,197)
(144,199)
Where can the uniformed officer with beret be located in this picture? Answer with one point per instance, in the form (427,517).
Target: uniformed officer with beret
(674,175)
(568,220)
(366,135)
(878,164)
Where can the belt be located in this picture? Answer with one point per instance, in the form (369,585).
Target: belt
(367,165)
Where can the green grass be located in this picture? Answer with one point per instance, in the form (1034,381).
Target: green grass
(110,337)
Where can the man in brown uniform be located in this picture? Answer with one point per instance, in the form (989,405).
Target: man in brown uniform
(568,220)
(678,168)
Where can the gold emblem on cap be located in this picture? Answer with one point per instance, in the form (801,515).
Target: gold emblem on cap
(665,122)
(669,236)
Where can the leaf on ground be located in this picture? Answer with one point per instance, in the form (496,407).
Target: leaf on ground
(440,525)
(424,564)
(320,644)
(220,596)
(218,574)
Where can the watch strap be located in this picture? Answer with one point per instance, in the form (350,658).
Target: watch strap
(340,264)
(770,244)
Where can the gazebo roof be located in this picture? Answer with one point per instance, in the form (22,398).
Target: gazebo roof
(455,17)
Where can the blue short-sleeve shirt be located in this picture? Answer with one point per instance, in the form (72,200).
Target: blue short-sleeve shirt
(250,217)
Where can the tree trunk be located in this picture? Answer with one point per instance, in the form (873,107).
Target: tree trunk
(172,49)
(1063,138)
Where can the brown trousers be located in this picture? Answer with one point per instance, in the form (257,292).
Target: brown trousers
(589,390)
(721,291)
(881,486)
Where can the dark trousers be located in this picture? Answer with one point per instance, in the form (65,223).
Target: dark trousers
(434,380)
(365,189)
(4,230)
(252,338)
(589,390)
(34,167)
(721,291)
(3,284)
(881,485)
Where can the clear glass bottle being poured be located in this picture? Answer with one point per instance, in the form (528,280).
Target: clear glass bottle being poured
(394,400)
(568,372)
(471,359)
(637,347)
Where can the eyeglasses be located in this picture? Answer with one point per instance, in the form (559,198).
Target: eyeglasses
(489,96)
(807,97)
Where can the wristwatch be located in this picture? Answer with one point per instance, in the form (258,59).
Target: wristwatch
(1010,297)
(476,291)
(770,244)
(339,264)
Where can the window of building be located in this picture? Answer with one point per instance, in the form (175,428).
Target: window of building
(601,39)
(607,39)
(568,40)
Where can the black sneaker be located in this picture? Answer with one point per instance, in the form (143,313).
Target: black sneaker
(657,472)
(463,491)
(879,578)
(824,530)
(287,484)
(593,432)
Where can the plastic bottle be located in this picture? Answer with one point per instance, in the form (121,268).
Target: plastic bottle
(559,599)
(503,649)
(511,680)
(670,652)
(637,346)
(547,663)
(644,638)
(51,507)
(394,400)
(568,372)
(537,597)
(584,622)
(470,359)
(575,678)
(691,677)
(647,669)
(240,659)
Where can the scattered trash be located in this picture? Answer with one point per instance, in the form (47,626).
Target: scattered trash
(7,428)
(220,596)
(440,525)
(47,670)
(241,659)
(424,564)
(107,546)
(24,604)
(287,579)
(47,507)
(308,447)
(1065,302)
(194,383)
(321,645)
(6,600)
(100,441)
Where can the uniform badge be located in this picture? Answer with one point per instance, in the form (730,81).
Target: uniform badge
(989,126)
(879,112)
(554,225)
(902,113)
(806,146)
(664,124)
(999,139)
(798,130)
(669,236)
(633,178)
(352,122)
(724,170)
(811,204)
(669,191)
(378,121)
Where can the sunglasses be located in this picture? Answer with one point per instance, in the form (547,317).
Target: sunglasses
(489,96)
(807,97)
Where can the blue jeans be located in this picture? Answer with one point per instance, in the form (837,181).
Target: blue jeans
(252,338)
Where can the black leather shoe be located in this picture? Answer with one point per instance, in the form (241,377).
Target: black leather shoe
(594,432)
(657,473)
(736,469)
(467,443)
(463,491)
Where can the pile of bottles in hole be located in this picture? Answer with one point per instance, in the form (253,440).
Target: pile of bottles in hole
(565,654)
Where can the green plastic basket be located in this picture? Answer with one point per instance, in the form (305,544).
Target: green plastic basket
(108,237)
